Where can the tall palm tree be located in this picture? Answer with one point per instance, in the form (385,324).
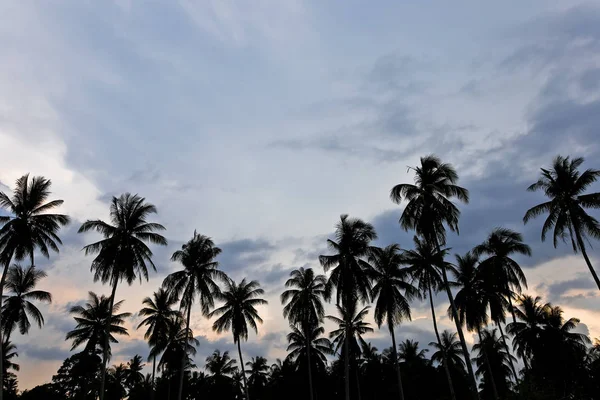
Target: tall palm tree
(159,314)
(198,279)
(423,265)
(18,306)
(28,227)
(449,350)
(565,186)
(392,292)
(123,254)
(300,346)
(350,272)
(237,313)
(92,324)
(471,303)
(304,307)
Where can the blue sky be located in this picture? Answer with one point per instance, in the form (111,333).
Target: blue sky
(260,122)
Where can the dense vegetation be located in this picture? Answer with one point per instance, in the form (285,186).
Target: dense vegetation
(526,349)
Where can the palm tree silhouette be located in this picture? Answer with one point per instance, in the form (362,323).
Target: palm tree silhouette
(27,227)
(531,317)
(350,272)
(220,365)
(18,306)
(237,313)
(92,325)
(450,350)
(134,375)
(565,186)
(392,293)
(301,345)
(123,253)
(409,352)
(197,279)
(471,303)
(423,265)
(305,307)
(159,314)
(258,373)
(428,212)
(493,363)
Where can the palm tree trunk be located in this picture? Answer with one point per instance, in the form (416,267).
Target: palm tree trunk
(310,379)
(585,256)
(106,341)
(357,381)
(396,363)
(347,364)
(437,335)
(153,391)
(512,365)
(463,342)
(488,366)
(2,282)
(187,328)
(243,370)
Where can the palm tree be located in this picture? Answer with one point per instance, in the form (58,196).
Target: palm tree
(159,313)
(531,317)
(197,279)
(123,253)
(449,350)
(238,312)
(27,227)
(350,272)
(565,186)
(18,307)
(428,212)
(220,365)
(134,374)
(305,307)
(423,265)
(258,372)
(92,324)
(410,353)
(300,346)
(493,363)
(392,293)
(471,304)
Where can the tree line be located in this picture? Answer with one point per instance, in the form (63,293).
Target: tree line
(525,348)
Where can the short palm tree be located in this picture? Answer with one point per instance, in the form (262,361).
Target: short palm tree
(159,313)
(28,227)
(351,327)
(350,272)
(392,292)
(493,363)
(134,375)
(565,186)
(304,307)
(18,306)
(424,263)
(531,316)
(413,357)
(123,254)
(450,350)
(180,343)
(258,372)
(238,312)
(300,346)
(220,365)
(198,279)
(428,212)
(92,324)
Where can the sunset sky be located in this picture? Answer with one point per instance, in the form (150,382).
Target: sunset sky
(259,122)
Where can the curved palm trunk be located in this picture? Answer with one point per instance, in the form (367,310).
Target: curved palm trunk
(488,366)
(310,379)
(396,363)
(461,335)
(512,365)
(106,342)
(585,256)
(437,335)
(243,370)
(187,328)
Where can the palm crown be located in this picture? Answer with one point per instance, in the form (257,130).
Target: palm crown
(29,226)
(351,326)
(220,365)
(451,347)
(304,298)
(299,341)
(159,313)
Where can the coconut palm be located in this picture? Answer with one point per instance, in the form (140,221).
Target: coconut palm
(92,324)
(180,343)
(258,373)
(304,307)
(159,314)
(424,263)
(428,212)
(18,306)
(237,313)
(493,364)
(300,346)
(450,350)
(411,355)
(198,279)
(565,186)
(471,304)
(220,365)
(391,293)
(123,253)
(350,271)
(134,375)
(28,227)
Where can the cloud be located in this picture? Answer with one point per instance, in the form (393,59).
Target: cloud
(45,353)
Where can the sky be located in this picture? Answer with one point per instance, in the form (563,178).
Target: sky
(259,122)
